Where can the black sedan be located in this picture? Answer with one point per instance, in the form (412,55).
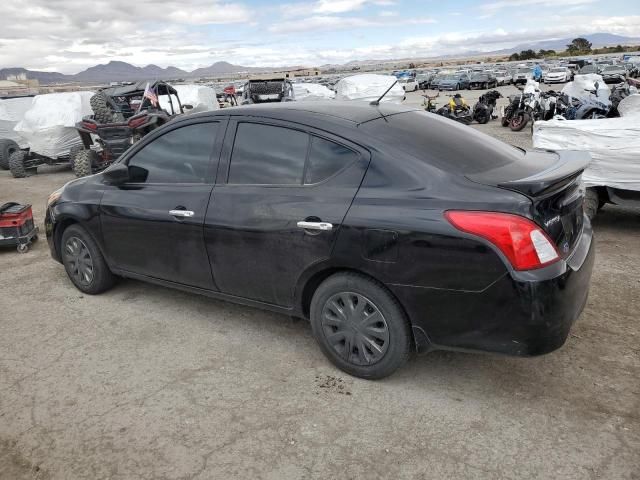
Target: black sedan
(482,81)
(391,229)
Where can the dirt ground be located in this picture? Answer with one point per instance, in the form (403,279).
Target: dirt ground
(145,382)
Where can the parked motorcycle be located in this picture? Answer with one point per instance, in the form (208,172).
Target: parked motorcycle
(429,104)
(457,109)
(522,108)
(484,108)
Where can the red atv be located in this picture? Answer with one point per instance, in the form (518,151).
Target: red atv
(121,117)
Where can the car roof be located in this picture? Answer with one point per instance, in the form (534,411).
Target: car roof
(354,111)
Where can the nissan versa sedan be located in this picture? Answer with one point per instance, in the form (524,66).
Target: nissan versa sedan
(391,229)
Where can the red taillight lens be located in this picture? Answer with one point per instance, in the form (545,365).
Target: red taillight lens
(520,240)
(90,126)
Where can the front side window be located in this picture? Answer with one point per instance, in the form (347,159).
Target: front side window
(182,155)
(268,155)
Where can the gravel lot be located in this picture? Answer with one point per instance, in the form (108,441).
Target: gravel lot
(145,382)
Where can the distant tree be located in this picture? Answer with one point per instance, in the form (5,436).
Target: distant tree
(546,53)
(514,57)
(412,65)
(579,45)
(618,48)
(528,55)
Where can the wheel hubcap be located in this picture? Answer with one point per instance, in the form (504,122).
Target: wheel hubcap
(78,259)
(355,328)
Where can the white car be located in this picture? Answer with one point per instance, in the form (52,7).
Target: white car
(503,77)
(408,84)
(557,75)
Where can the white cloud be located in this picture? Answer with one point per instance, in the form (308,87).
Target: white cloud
(334,22)
(503,4)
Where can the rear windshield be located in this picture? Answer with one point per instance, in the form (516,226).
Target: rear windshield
(444,144)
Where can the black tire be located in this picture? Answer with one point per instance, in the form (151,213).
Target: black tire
(505,117)
(73,151)
(96,279)
(592,203)
(7,147)
(518,121)
(18,167)
(457,86)
(102,112)
(84,162)
(383,347)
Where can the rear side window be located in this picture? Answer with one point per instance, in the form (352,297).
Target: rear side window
(268,155)
(182,155)
(326,158)
(444,144)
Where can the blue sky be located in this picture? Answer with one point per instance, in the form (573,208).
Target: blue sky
(66,36)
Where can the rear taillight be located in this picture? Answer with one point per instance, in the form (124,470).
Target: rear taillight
(90,126)
(136,122)
(524,243)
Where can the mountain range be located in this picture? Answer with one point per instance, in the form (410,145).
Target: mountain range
(116,71)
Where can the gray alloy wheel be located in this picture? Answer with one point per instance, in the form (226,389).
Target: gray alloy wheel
(355,328)
(77,256)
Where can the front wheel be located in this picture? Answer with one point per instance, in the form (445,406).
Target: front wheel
(360,327)
(83,261)
(518,121)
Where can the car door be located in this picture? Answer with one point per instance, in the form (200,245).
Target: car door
(153,224)
(278,205)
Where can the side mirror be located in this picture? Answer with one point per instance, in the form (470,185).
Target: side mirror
(187,107)
(116,174)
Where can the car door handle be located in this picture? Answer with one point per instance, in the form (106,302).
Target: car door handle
(315,226)
(181,213)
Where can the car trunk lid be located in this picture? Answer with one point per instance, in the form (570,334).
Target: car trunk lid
(554,189)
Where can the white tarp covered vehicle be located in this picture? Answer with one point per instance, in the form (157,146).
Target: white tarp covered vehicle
(613,176)
(312,91)
(369,87)
(12,110)
(200,97)
(48,128)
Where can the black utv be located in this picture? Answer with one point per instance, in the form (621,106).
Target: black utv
(121,117)
(267,91)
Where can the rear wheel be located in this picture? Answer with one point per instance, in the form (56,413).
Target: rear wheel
(19,166)
(7,147)
(592,203)
(84,162)
(84,262)
(360,326)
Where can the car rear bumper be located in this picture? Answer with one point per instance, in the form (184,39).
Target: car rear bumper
(522,313)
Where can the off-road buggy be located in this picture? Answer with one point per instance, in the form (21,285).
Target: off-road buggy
(121,117)
(267,91)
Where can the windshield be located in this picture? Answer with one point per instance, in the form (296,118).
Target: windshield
(558,70)
(524,70)
(612,68)
(482,76)
(450,77)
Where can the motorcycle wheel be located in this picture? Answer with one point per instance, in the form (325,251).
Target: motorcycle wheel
(506,117)
(518,121)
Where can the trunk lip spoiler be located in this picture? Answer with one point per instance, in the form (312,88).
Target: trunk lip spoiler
(570,165)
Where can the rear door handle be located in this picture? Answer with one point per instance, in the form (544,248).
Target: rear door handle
(324,226)
(181,213)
